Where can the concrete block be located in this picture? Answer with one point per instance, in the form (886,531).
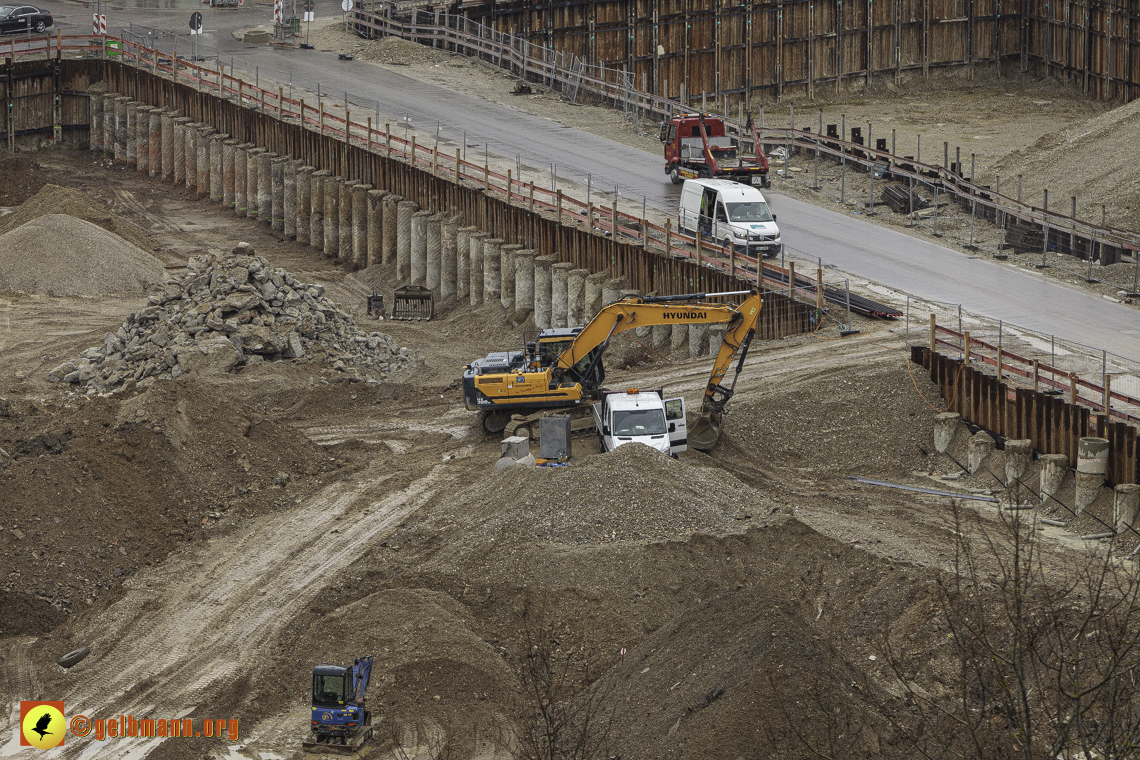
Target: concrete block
(1018,456)
(1088,488)
(132,138)
(1125,503)
(241,161)
(981,446)
(142,139)
(947,426)
(716,338)
(168,145)
(1054,469)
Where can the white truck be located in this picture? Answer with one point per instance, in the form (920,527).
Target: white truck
(644,416)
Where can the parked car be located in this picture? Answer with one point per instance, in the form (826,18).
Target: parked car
(22,18)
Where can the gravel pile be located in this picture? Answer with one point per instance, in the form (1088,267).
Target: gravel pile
(60,255)
(631,494)
(53,199)
(225,313)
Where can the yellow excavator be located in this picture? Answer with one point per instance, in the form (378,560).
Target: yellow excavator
(562,368)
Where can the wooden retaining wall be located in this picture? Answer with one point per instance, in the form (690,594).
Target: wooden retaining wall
(751,52)
(42,101)
(1052,423)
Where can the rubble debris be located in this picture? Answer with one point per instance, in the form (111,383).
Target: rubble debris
(228,312)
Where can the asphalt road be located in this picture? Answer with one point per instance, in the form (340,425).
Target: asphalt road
(864,250)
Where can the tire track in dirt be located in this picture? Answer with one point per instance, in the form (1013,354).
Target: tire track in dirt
(187,632)
(20,677)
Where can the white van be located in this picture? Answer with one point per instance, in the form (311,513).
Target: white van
(730,214)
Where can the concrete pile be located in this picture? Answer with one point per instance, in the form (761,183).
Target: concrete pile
(226,313)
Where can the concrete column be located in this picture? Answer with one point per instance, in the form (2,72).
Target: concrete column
(593,294)
(576,297)
(332,215)
(304,202)
(202,142)
(290,204)
(434,261)
(344,241)
(560,273)
(277,193)
(142,139)
(229,151)
(132,137)
(265,188)
(192,134)
(391,214)
(317,208)
(180,126)
(982,445)
(1054,468)
(475,282)
(662,338)
(110,103)
(611,290)
(122,103)
(95,129)
(154,142)
(716,337)
(241,161)
(542,291)
(217,167)
(1018,455)
(447,252)
(524,284)
(463,262)
(252,182)
(375,246)
(360,225)
(947,426)
(420,247)
(698,340)
(168,146)
(679,340)
(405,210)
(507,254)
(1125,503)
(493,271)
(1088,488)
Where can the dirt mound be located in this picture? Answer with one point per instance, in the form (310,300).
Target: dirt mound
(22,180)
(228,312)
(23,615)
(633,493)
(53,199)
(93,495)
(60,255)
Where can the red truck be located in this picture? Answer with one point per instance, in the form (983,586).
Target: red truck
(696,146)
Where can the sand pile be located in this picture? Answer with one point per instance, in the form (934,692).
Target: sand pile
(631,494)
(58,254)
(224,313)
(53,199)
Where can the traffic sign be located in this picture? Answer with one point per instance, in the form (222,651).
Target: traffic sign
(308,5)
(195,23)
(346,5)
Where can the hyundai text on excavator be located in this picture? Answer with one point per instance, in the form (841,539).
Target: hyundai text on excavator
(696,147)
(562,369)
(340,722)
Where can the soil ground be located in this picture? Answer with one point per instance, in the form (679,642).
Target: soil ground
(213,538)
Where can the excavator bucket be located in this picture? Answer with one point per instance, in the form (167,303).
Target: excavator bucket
(705,431)
(413,302)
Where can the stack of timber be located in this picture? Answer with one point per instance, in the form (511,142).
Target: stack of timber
(902,200)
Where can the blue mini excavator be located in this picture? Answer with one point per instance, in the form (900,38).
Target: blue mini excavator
(340,722)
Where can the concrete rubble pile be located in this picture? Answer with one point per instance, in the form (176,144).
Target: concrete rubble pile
(226,313)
